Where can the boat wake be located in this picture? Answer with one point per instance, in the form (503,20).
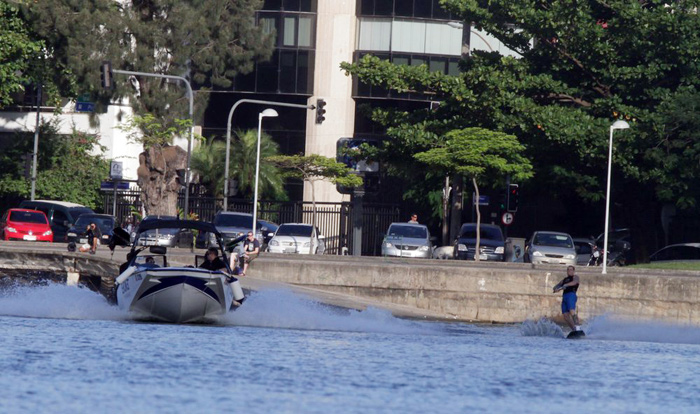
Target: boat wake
(611,327)
(542,327)
(279,308)
(57,301)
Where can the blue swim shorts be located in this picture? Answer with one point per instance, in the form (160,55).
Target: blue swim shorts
(568,302)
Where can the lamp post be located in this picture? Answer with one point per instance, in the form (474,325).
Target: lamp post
(190,95)
(619,124)
(271,113)
(228,134)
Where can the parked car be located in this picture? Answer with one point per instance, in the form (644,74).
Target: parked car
(491,243)
(297,238)
(677,252)
(549,247)
(61,215)
(104,222)
(27,225)
(233,225)
(584,250)
(407,240)
(169,237)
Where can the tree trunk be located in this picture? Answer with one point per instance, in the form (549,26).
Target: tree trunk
(158,178)
(478,220)
(445,215)
(456,213)
(313,216)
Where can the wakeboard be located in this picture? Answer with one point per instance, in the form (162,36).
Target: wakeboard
(575,335)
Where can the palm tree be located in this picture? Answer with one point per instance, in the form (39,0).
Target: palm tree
(208,161)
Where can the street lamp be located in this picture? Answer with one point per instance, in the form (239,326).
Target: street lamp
(619,124)
(270,113)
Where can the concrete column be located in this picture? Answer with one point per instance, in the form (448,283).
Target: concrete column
(336,26)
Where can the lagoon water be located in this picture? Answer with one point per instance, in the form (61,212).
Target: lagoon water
(65,350)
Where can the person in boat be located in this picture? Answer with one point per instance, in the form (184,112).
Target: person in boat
(150,262)
(569,285)
(212,260)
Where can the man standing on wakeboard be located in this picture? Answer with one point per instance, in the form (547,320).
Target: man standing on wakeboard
(568,301)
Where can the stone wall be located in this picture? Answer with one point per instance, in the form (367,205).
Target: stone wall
(507,292)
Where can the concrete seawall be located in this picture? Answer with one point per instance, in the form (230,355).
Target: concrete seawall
(504,292)
(510,292)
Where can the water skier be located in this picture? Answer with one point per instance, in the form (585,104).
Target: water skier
(569,285)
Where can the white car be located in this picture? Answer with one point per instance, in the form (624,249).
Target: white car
(297,238)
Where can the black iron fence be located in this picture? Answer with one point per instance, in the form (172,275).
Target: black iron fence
(334,220)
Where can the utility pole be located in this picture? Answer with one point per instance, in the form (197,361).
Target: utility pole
(36,140)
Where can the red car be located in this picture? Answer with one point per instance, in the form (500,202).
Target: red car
(28,225)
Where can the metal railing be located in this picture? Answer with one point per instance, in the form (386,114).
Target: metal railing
(334,220)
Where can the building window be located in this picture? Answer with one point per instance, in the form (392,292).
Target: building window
(290,30)
(305,26)
(424,9)
(409,36)
(375,34)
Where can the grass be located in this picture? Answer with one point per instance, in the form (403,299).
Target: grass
(669,265)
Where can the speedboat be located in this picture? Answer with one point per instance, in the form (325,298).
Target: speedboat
(151,288)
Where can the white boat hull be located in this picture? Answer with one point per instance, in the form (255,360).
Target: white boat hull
(177,295)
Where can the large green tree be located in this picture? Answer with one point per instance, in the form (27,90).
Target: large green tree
(207,42)
(480,155)
(581,66)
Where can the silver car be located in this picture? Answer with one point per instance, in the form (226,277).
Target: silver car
(407,240)
(548,247)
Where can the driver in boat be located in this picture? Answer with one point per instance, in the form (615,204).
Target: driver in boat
(212,260)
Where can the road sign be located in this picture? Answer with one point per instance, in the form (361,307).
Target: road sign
(507,218)
(483,200)
(84,107)
(115,171)
(109,185)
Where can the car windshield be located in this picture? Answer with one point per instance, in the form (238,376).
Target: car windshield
(234,220)
(28,217)
(149,218)
(555,240)
(487,233)
(105,224)
(411,231)
(300,230)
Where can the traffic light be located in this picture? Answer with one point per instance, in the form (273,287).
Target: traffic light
(513,194)
(320,111)
(106,74)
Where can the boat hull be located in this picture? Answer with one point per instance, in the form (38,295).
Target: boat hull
(176,295)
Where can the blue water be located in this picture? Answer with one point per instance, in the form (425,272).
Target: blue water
(65,350)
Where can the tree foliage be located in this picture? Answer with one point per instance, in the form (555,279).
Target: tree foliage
(17,51)
(582,65)
(208,42)
(209,160)
(313,168)
(69,167)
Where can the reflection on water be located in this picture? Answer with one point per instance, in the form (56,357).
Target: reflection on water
(68,349)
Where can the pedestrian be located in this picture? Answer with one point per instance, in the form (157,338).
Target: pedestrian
(414,218)
(251,249)
(569,285)
(92,234)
